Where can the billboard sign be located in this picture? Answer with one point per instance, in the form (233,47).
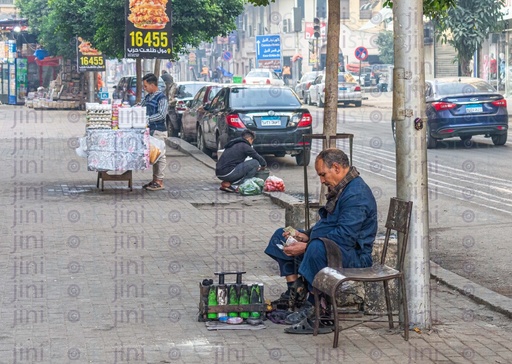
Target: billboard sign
(87,57)
(148,29)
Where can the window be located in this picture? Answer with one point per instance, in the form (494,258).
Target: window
(365,9)
(345,9)
(287,25)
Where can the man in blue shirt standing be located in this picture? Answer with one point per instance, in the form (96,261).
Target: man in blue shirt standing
(156,112)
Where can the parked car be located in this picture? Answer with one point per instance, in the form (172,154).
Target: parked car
(263,76)
(304,83)
(195,110)
(126,89)
(349,91)
(185,91)
(463,107)
(275,114)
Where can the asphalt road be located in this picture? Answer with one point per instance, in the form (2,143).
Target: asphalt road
(470,191)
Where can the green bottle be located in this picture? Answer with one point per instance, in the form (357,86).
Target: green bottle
(255,298)
(244,300)
(212,301)
(233,299)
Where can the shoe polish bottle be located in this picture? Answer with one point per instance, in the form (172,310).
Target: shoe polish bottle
(222,298)
(233,299)
(255,298)
(244,300)
(212,301)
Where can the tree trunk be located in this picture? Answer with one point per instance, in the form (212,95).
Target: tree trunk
(157,67)
(138,70)
(331,71)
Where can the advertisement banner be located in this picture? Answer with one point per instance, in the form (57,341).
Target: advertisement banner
(88,58)
(148,29)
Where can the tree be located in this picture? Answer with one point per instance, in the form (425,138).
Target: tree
(431,8)
(58,22)
(465,26)
(385,45)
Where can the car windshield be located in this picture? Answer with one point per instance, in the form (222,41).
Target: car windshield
(458,88)
(263,97)
(258,74)
(188,90)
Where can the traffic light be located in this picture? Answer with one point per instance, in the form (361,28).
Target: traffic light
(316,28)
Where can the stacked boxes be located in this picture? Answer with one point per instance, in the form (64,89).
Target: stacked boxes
(132,117)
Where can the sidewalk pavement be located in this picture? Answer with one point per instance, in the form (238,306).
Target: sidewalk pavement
(113,276)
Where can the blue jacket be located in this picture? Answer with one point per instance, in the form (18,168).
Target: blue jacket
(352,225)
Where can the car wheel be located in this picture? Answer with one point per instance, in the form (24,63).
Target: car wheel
(358,103)
(320,102)
(499,139)
(431,142)
(201,144)
(303,158)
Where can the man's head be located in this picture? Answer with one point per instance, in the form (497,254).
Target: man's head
(150,83)
(249,136)
(331,165)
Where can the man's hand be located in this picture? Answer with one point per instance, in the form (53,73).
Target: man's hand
(301,237)
(295,249)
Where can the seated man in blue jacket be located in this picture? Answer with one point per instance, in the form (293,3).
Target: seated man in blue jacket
(232,166)
(349,218)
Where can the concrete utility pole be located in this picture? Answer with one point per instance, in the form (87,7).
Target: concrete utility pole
(411,152)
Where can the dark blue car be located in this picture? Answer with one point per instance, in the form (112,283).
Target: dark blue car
(463,107)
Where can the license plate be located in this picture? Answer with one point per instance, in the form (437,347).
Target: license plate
(470,109)
(270,121)
(342,89)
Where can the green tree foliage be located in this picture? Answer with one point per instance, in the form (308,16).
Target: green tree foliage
(431,8)
(466,26)
(385,44)
(58,22)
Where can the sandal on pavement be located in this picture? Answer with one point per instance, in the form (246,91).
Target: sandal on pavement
(305,327)
(306,311)
(229,189)
(154,186)
(147,184)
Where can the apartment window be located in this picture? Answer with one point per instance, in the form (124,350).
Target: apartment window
(7,2)
(345,9)
(287,26)
(365,9)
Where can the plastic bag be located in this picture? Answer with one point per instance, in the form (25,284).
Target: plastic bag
(250,187)
(81,151)
(156,149)
(274,184)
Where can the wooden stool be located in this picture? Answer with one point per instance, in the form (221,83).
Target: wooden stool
(104,176)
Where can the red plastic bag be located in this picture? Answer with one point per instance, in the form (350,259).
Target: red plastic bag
(274,184)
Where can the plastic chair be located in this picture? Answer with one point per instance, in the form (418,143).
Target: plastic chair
(328,280)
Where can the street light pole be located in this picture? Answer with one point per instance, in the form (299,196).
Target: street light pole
(411,152)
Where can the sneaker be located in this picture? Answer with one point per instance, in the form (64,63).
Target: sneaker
(306,311)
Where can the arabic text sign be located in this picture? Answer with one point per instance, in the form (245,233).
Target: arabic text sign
(268,47)
(88,58)
(148,29)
